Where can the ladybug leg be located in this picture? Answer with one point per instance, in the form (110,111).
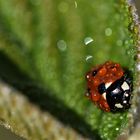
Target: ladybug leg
(129,81)
(128,78)
(88,93)
(103,105)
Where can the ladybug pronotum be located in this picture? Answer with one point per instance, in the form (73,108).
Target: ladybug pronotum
(109,87)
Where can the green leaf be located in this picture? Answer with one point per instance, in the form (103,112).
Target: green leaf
(45,44)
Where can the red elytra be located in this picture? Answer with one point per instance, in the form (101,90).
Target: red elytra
(105,73)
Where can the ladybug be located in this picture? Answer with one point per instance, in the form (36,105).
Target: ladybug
(109,87)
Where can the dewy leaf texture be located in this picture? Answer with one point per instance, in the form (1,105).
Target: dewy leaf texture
(46,48)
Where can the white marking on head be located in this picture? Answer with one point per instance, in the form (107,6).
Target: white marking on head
(104,95)
(125,86)
(119,105)
(108,84)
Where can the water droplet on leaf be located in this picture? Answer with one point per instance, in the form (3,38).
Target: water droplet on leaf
(126,42)
(109,125)
(117,129)
(108,31)
(88,40)
(61,44)
(119,42)
(121,117)
(89,58)
(75,3)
